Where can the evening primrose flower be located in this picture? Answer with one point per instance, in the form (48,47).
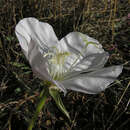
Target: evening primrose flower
(76,62)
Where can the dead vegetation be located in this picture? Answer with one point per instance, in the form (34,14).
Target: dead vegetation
(106,21)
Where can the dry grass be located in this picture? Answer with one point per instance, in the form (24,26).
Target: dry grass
(105,20)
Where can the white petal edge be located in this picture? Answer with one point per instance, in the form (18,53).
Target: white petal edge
(74,42)
(92,62)
(31,28)
(94,82)
(89,63)
(75,45)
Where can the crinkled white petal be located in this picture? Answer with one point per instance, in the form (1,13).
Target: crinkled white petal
(89,63)
(75,44)
(42,33)
(94,82)
(72,58)
(79,43)
(35,39)
(24,39)
(92,62)
(38,62)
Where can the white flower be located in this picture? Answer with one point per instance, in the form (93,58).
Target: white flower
(75,62)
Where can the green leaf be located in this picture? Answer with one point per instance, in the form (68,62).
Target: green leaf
(56,96)
(17,90)
(28,72)
(10,38)
(16,64)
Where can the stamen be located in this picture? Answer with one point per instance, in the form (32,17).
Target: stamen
(56,61)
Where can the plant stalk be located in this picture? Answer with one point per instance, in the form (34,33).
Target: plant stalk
(43,96)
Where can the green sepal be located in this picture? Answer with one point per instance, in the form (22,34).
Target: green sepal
(43,97)
(56,96)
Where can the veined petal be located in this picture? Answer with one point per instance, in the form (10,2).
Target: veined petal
(24,39)
(82,44)
(38,62)
(92,62)
(73,56)
(87,64)
(42,33)
(35,39)
(94,82)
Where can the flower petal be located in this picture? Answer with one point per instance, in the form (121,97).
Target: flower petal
(88,64)
(79,46)
(38,62)
(94,82)
(24,39)
(92,62)
(42,33)
(82,44)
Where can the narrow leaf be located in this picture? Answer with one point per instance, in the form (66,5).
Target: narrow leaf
(56,96)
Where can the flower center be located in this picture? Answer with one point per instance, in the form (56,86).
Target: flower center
(59,58)
(56,63)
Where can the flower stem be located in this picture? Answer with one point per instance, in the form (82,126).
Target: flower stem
(43,96)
